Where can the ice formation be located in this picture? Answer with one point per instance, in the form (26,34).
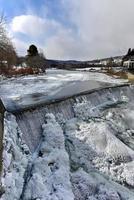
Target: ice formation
(89,156)
(51,170)
(33,89)
(76,160)
(16,156)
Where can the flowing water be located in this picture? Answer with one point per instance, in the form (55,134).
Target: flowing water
(30,121)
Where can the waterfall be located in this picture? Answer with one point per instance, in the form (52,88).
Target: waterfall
(31,120)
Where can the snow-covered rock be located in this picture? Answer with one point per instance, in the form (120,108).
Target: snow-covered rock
(85,155)
(15,159)
(51,170)
(76,161)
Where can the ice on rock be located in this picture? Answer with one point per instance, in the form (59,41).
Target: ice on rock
(100,138)
(94,144)
(45,175)
(107,193)
(14,159)
(80,153)
(55,138)
(65,165)
(93,186)
(51,171)
(83,185)
(85,110)
(88,157)
(128,173)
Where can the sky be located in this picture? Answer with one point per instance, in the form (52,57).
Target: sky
(71,29)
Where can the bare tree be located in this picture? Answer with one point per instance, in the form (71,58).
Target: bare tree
(7,52)
(41,53)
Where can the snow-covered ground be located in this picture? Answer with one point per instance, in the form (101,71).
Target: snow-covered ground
(22,92)
(87,157)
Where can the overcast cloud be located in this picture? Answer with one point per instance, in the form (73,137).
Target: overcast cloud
(98,28)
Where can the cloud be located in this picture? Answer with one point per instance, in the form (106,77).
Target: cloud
(20,46)
(105,26)
(91,29)
(57,40)
(33,25)
(66,45)
(38,31)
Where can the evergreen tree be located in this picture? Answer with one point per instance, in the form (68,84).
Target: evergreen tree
(32,51)
(129,51)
